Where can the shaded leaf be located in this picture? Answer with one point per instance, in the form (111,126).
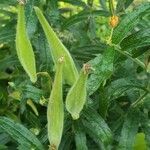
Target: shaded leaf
(21,134)
(83,15)
(129,130)
(80,137)
(95,125)
(136,40)
(103,70)
(76,3)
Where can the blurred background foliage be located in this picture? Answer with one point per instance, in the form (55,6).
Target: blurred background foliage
(118,102)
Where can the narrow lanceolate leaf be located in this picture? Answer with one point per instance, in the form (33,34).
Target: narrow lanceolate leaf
(96,127)
(76,97)
(80,137)
(128,23)
(23,46)
(19,133)
(75,3)
(136,40)
(58,50)
(55,110)
(122,5)
(103,70)
(129,130)
(83,15)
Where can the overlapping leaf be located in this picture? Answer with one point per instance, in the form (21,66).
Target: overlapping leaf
(96,127)
(129,130)
(80,137)
(136,40)
(128,23)
(103,70)
(21,134)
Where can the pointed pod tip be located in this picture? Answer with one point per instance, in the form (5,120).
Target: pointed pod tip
(33,79)
(75,116)
(22,2)
(87,68)
(52,147)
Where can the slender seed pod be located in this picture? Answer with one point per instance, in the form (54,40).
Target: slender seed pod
(58,49)
(114,20)
(23,46)
(76,97)
(55,111)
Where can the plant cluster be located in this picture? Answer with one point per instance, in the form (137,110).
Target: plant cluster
(74,75)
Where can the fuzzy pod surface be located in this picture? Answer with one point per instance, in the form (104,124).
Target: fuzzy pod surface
(55,111)
(76,96)
(58,49)
(23,46)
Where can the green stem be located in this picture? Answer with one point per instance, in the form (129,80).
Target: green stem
(125,53)
(110,37)
(111,7)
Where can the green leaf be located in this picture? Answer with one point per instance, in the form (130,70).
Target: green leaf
(23,147)
(8,2)
(31,92)
(96,127)
(3,147)
(8,61)
(129,130)
(136,40)
(75,3)
(139,51)
(103,4)
(66,141)
(122,5)
(80,137)
(19,133)
(31,19)
(7,33)
(4,138)
(83,16)
(128,23)
(103,70)
(43,52)
(120,86)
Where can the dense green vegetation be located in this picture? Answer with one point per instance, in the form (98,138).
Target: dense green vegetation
(113,37)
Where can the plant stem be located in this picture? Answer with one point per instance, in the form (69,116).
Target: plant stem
(125,53)
(111,7)
(110,37)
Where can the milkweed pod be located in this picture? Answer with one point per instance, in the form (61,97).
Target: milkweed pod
(76,96)
(114,20)
(23,46)
(70,72)
(55,110)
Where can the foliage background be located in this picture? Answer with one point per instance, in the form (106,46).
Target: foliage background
(118,102)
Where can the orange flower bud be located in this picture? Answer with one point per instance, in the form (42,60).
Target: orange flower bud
(114,20)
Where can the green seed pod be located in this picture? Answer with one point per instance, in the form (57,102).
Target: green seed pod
(23,46)
(55,111)
(70,72)
(76,97)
